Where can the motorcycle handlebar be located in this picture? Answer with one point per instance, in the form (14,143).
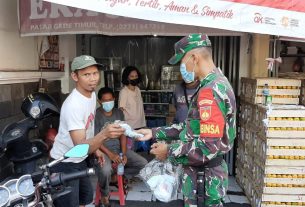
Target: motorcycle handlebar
(61,178)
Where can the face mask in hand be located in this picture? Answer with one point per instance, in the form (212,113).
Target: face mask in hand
(108,106)
(134,82)
(188,77)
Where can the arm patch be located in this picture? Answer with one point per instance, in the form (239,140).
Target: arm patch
(211,118)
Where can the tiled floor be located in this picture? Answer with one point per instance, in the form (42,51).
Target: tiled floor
(138,191)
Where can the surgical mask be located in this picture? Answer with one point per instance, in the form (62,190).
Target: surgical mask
(188,77)
(134,82)
(108,106)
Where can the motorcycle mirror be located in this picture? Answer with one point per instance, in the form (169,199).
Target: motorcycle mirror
(77,151)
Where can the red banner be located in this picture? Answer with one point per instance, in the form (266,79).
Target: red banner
(291,5)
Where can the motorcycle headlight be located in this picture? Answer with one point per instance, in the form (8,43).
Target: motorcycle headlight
(35,111)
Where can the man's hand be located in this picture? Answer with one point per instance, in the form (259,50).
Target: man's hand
(159,150)
(100,156)
(147,134)
(112,131)
(114,157)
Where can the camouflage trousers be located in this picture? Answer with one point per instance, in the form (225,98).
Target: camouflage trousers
(216,185)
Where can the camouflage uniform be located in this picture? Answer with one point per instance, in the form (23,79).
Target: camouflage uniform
(208,132)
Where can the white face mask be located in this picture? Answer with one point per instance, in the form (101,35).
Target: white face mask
(108,106)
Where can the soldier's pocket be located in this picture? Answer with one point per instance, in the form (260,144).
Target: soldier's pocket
(216,182)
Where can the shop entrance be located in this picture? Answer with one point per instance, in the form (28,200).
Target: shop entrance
(151,53)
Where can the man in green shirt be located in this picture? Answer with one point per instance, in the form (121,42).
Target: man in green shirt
(208,131)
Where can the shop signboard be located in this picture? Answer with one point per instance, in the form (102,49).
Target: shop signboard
(281,17)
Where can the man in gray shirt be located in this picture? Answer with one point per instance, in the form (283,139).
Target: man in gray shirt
(182,97)
(133,162)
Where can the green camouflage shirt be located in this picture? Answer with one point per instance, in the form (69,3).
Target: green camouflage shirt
(210,127)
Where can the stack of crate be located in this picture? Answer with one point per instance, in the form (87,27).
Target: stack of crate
(244,159)
(270,163)
(283,91)
(280,157)
(302,96)
(299,76)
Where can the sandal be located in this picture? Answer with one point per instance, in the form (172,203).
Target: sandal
(105,202)
(105,205)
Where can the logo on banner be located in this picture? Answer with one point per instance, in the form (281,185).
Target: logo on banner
(205,113)
(285,21)
(258,18)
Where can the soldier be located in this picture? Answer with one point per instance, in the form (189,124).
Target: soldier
(208,131)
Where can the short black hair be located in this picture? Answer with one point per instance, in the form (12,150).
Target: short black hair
(103,91)
(127,71)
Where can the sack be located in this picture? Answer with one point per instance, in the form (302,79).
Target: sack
(163,178)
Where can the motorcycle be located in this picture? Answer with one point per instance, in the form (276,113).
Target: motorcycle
(41,188)
(14,139)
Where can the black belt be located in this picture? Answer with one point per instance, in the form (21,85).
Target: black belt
(201,178)
(210,164)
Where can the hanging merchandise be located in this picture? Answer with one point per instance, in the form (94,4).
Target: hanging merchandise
(271,62)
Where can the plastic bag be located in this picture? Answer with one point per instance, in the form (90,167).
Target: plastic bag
(128,130)
(163,179)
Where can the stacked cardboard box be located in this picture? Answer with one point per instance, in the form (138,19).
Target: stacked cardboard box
(270,163)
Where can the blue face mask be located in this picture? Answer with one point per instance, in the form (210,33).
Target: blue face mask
(108,106)
(188,77)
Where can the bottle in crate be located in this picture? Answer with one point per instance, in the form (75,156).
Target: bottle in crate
(266,95)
